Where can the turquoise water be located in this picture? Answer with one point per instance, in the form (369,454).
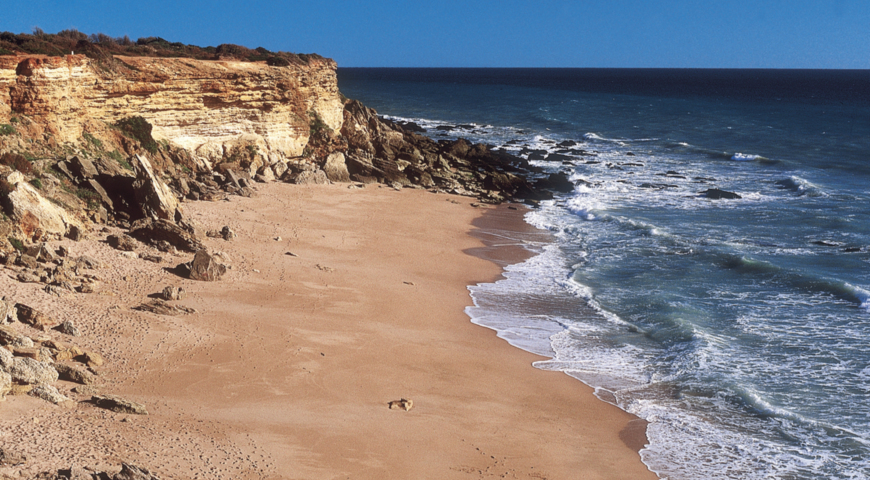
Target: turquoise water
(737,328)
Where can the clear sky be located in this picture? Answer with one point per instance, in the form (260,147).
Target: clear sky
(504,33)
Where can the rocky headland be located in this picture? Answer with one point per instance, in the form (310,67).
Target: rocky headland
(111,147)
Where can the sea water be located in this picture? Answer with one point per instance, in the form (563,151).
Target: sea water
(739,328)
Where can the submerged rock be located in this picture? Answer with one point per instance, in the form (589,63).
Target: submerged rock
(717,194)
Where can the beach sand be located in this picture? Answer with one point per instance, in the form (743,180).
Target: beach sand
(287,368)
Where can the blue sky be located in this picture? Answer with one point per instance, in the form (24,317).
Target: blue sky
(506,33)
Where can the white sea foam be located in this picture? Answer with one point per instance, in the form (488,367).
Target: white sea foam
(745,157)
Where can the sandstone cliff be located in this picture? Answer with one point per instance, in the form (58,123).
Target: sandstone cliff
(204,107)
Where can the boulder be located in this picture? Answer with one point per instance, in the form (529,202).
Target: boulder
(36,216)
(311,177)
(82,167)
(279,169)
(206,267)
(155,231)
(104,196)
(91,359)
(155,198)
(266,175)
(119,405)
(336,168)
(121,242)
(75,374)
(75,233)
(173,293)
(29,371)
(67,327)
(33,317)
(50,394)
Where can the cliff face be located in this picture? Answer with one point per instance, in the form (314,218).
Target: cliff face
(204,107)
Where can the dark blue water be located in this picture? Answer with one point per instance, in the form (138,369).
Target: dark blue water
(738,328)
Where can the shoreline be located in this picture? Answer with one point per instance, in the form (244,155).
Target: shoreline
(506,235)
(287,368)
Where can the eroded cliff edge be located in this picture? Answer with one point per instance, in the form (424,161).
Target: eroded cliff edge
(83,141)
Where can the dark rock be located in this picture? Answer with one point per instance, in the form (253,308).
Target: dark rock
(717,194)
(119,405)
(75,233)
(154,232)
(33,317)
(557,182)
(121,242)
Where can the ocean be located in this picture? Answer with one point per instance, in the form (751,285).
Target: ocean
(738,328)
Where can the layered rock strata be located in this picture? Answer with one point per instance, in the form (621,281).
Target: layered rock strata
(205,107)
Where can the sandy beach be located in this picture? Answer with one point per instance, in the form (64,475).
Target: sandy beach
(339,300)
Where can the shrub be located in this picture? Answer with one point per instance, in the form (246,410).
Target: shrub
(16,244)
(139,129)
(6,129)
(316,124)
(277,62)
(37,183)
(96,142)
(13,120)
(18,162)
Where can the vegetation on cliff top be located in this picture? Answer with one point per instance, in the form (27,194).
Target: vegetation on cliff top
(101,47)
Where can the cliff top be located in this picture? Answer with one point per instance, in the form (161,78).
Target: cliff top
(103,48)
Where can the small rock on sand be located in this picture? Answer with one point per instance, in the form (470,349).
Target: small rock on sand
(119,405)
(405,404)
(205,267)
